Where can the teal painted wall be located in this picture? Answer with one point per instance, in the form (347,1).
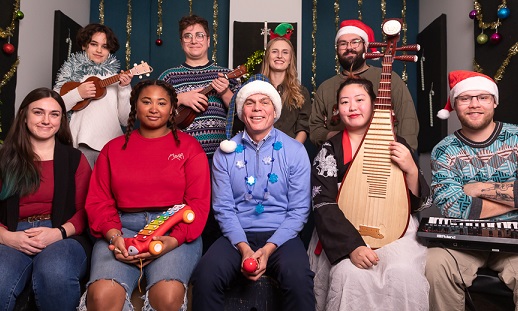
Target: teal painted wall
(144,23)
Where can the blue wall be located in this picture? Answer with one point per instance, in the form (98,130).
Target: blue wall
(144,23)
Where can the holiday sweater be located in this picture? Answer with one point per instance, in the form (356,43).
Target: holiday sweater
(337,234)
(406,124)
(101,120)
(208,127)
(276,175)
(151,174)
(457,161)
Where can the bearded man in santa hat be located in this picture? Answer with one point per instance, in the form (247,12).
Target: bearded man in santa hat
(352,41)
(474,176)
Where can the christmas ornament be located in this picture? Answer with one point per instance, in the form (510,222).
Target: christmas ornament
(495,38)
(482,38)
(19,15)
(473,14)
(159,26)
(250,265)
(8,48)
(158,42)
(503,12)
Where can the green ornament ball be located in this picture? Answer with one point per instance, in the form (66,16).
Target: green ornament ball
(19,15)
(482,38)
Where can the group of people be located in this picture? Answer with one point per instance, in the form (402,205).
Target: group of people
(63,225)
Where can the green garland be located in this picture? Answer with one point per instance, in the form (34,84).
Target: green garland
(253,60)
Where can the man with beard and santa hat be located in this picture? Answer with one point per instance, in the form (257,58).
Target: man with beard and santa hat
(474,176)
(352,40)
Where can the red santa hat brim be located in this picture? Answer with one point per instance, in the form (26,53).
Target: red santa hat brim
(356,27)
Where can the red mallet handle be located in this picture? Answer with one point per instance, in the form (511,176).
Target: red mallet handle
(250,265)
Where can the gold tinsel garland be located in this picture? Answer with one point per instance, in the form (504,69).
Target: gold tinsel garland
(336,7)
(215,30)
(7,76)
(101,12)
(190,7)
(383,4)
(8,32)
(128,36)
(314,50)
(159,13)
(253,60)
(483,25)
(360,3)
(513,50)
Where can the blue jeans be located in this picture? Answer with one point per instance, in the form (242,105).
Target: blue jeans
(55,273)
(177,264)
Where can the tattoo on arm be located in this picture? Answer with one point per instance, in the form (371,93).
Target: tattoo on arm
(498,192)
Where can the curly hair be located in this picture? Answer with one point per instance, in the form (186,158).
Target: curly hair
(19,169)
(135,93)
(192,20)
(84,36)
(290,88)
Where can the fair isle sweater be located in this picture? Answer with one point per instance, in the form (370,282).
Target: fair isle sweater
(101,120)
(208,127)
(457,161)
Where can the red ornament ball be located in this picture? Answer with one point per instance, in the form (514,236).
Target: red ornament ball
(495,38)
(8,48)
(473,14)
(159,42)
(250,265)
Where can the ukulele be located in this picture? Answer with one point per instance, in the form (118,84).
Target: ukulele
(185,115)
(373,195)
(101,84)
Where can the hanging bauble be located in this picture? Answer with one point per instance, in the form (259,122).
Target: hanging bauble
(495,38)
(473,14)
(8,48)
(503,12)
(158,42)
(19,15)
(482,38)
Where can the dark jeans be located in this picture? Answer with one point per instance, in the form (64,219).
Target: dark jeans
(289,265)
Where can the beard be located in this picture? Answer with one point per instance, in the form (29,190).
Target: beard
(352,60)
(481,124)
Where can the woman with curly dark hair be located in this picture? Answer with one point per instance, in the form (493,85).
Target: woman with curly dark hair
(44,182)
(137,177)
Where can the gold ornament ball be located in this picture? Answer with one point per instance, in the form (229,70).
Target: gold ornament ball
(19,14)
(482,38)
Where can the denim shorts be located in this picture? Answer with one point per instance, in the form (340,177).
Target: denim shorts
(177,264)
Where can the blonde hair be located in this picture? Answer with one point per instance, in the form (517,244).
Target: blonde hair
(291,94)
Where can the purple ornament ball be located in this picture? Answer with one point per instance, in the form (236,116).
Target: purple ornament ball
(473,14)
(495,38)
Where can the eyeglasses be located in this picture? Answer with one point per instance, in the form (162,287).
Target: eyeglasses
(342,45)
(187,37)
(467,99)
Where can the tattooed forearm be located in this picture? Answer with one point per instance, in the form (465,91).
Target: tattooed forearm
(498,192)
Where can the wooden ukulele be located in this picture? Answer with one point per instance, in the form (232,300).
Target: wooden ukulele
(185,115)
(101,84)
(373,195)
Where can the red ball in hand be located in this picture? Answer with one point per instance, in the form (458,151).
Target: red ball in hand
(8,48)
(250,265)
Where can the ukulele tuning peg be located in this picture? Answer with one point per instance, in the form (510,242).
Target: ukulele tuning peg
(147,75)
(135,65)
(140,77)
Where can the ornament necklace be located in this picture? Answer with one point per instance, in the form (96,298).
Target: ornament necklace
(250,180)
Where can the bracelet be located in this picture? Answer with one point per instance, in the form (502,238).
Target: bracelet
(114,236)
(63,232)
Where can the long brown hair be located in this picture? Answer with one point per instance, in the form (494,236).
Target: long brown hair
(18,162)
(133,102)
(291,94)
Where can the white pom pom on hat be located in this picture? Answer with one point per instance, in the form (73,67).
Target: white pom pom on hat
(464,80)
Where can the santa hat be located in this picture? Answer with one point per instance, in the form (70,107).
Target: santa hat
(257,84)
(356,27)
(462,81)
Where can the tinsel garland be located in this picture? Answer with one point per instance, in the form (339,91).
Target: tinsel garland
(336,7)
(215,30)
(7,76)
(253,60)
(483,25)
(383,4)
(128,36)
(8,32)
(360,3)
(159,13)
(101,12)
(314,51)
(190,7)
(501,70)
(404,75)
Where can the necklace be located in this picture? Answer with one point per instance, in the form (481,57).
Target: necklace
(251,181)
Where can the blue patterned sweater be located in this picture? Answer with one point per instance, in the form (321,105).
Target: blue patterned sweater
(457,161)
(208,127)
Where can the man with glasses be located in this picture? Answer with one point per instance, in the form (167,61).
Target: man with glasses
(352,40)
(188,79)
(474,176)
